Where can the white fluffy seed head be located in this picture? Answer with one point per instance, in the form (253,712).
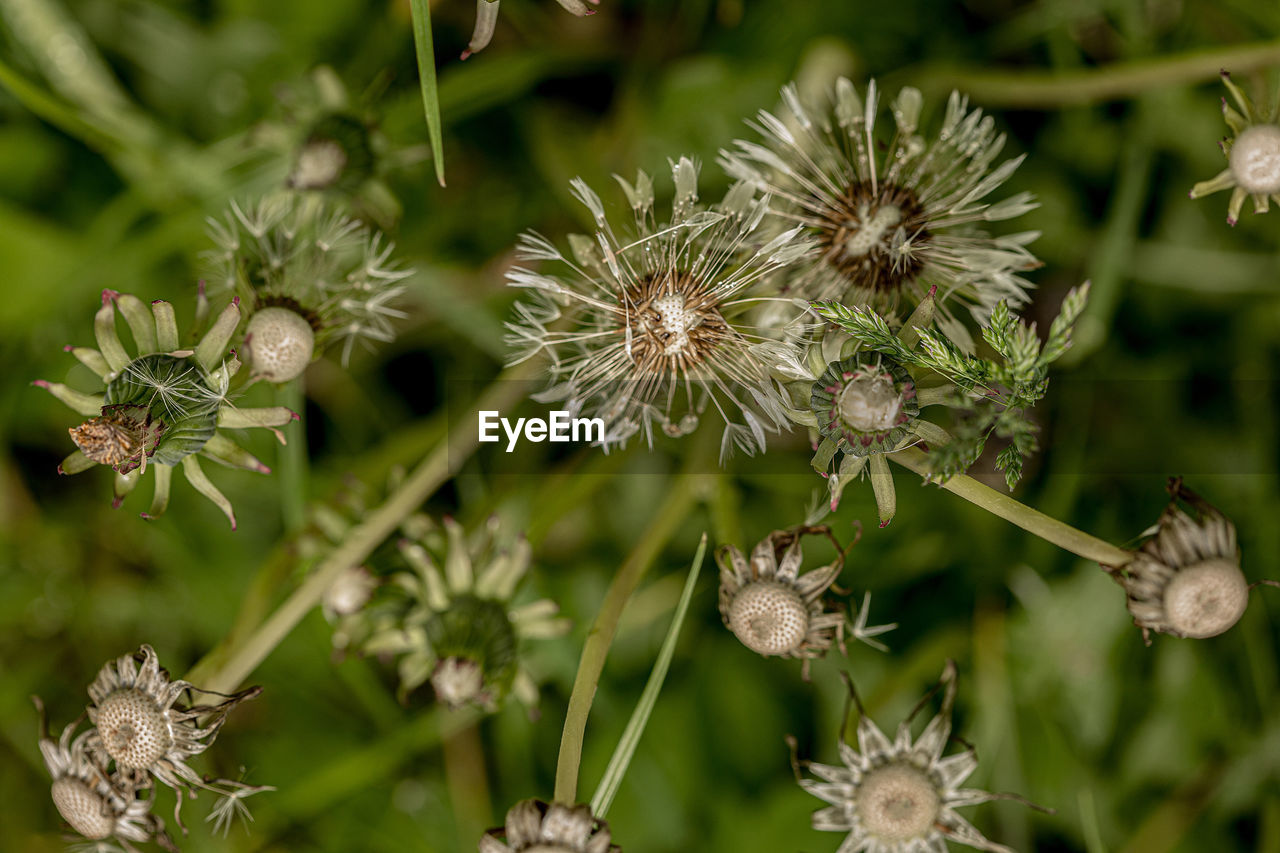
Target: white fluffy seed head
(1205,599)
(897,802)
(1255,159)
(279,343)
(134,730)
(83,808)
(870,403)
(769,618)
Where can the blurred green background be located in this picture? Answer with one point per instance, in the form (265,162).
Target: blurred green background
(145,116)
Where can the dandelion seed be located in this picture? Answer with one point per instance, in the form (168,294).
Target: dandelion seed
(232,806)
(660,331)
(896,214)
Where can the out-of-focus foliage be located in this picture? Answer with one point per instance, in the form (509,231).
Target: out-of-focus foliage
(1171,748)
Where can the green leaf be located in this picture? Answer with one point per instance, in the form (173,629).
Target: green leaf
(626,747)
(427,75)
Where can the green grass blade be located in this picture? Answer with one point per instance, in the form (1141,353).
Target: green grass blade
(626,748)
(427,75)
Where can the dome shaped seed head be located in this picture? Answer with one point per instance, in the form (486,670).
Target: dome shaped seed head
(81,807)
(280,343)
(897,802)
(457,681)
(1255,159)
(134,730)
(1205,599)
(769,618)
(870,403)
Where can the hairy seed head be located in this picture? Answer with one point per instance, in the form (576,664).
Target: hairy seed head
(83,808)
(1255,159)
(769,618)
(897,802)
(1207,598)
(134,729)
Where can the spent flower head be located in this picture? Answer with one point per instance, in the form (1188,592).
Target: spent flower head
(145,728)
(777,611)
(1186,580)
(533,826)
(102,807)
(1252,152)
(453,622)
(901,796)
(659,315)
(897,213)
(309,276)
(162,407)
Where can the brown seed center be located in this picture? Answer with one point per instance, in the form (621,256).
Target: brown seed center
(671,322)
(868,236)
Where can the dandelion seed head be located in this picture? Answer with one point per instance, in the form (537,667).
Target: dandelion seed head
(769,618)
(88,812)
(279,344)
(133,728)
(1255,159)
(897,802)
(1205,599)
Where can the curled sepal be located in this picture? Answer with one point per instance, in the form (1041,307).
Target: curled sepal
(224,450)
(272,416)
(75,463)
(166,326)
(214,343)
(123,485)
(80,403)
(104,330)
(160,500)
(882,485)
(141,323)
(196,477)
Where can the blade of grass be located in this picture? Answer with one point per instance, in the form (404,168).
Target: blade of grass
(427,76)
(630,739)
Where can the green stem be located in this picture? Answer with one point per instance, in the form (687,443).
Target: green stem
(294,465)
(680,499)
(1051,89)
(507,390)
(1033,521)
(465,776)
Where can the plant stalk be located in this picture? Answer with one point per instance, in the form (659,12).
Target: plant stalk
(680,499)
(1031,520)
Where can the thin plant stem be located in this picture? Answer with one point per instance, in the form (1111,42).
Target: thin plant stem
(1031,520)
(295,473)
(1119,80)
(681,497)
(465,776)
(361,540)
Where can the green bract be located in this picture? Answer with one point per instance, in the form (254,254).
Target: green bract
(162,407)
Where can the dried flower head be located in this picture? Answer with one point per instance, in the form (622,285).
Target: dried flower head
(321,277)
(659,316)
(163,407)
(898,796)
(1252,152)
(94,803)
(457,628)
(896,213)
(142,727)
(535,827)
(487,21)
(1186,579)
(775,610)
